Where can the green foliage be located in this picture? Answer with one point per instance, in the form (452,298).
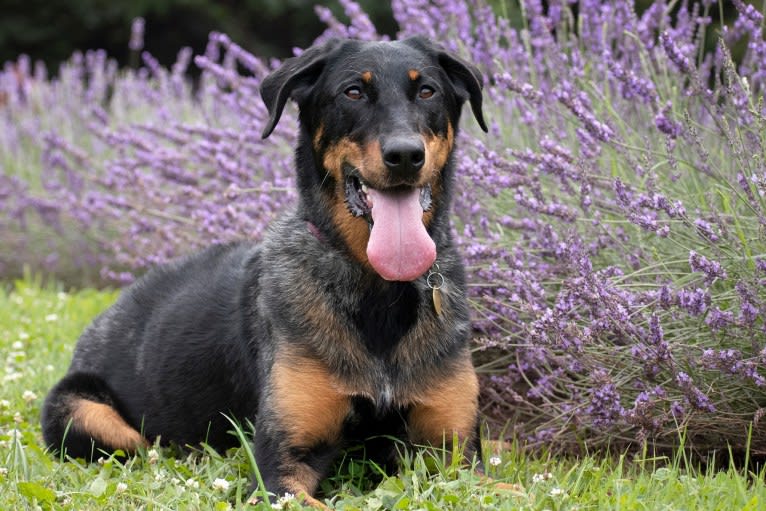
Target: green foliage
(51,30)
(38,328)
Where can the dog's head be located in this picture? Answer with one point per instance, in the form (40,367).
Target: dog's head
(382,119)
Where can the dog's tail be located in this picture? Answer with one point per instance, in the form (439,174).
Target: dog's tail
(80,419)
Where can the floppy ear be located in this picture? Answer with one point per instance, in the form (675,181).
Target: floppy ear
(468,82)
(465,77)
(293,79)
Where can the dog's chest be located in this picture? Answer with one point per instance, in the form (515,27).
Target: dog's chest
(382,318)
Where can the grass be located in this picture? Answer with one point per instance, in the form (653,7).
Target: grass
(39,326)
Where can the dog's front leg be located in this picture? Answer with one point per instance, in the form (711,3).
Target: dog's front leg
(448,407)
(299,427)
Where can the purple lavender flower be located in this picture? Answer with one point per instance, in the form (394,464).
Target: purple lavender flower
(707,230)
(666,125)
(731,361)
(604,407)
(718,319)
(712,269)
(575,104)
(695,302)
(695,397)
(136,43)
(749,304)
(675,54)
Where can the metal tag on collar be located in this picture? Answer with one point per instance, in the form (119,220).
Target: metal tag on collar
(435,281)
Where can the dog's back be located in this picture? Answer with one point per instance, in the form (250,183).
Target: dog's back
(155,360)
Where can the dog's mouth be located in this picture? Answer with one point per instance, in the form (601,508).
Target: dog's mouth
(399,247)
(358,195)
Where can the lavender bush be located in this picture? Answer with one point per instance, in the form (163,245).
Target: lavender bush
(613,220)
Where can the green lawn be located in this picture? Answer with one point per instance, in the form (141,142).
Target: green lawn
(38,329)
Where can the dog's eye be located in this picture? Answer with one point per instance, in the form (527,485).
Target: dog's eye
(426,92)
(353,92)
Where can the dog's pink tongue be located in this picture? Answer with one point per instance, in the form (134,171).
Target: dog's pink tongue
(399,247)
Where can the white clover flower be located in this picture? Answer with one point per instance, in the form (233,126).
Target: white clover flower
(28,396)
(12,376)
(50,318)
(23,336)
(192,483)
(49,368)
(495,461)
(15,356)
(153,456)
(18,345)
(121,487)
(3,471)
(221,484)
(539,478)
(556,492)
(283,501)
(4,403)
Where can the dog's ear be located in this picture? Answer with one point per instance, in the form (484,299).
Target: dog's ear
(294,78)
(468,82)
(465,77)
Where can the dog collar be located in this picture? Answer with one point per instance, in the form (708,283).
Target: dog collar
(314,230)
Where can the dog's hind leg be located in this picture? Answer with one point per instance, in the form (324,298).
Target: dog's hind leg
(80,419)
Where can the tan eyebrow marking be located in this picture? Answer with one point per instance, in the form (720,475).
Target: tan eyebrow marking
(414,74)
(367,76)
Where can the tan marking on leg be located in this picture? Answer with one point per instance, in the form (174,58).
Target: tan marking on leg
(502,486)
(311,501)
(448,407)
(308,400)
(301,494)
(303,483)
(104,424)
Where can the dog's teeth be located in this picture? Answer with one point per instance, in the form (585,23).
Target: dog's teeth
(364,188)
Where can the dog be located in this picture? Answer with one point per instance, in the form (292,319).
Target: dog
(348,324)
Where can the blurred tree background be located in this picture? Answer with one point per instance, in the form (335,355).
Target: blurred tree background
(50,30)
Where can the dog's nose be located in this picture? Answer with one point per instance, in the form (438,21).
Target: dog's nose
(404,157)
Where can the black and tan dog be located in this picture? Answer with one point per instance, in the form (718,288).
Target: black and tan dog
(348,322)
